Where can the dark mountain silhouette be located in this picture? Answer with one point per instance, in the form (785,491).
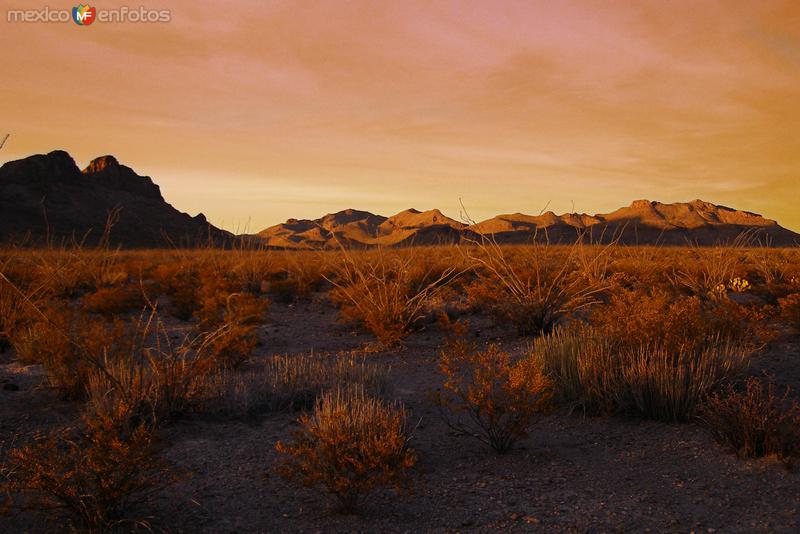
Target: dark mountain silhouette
(49,197)
(643,223)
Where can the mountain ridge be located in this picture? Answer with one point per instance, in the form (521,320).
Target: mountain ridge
(641,222)
(46,196)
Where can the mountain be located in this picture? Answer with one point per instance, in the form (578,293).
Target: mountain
(361,228)
(48,197)
(643,222)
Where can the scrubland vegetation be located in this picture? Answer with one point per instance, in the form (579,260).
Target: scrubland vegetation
(135,344)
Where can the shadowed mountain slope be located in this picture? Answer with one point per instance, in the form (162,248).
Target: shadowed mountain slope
(48,197)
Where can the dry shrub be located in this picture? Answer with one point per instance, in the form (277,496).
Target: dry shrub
(232,315)
(634,318)
(248,267)
(154,376)
(181,282)
(114,300)
(755,422)
(291,383)
(301,276)
(751,324)
(652,380)
(237,330)
(678,323)
(349,445)
(68,345)
(489,396)
(96,475)
(538,286)
(386,293)
(772,265)
(790,310)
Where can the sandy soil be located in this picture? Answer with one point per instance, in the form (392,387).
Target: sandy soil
(574,474)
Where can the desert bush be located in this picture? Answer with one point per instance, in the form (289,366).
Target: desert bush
(249,268)
(790,309)
(10,313)
(95,475)
(634,318)
(236,333)
(68,345)
(387,294)
(678,323)
(654,380)
(349,445)
(538,287)
(487,395)
(115,300)
(181,282)
(770,264)
(301,276)
(755,422)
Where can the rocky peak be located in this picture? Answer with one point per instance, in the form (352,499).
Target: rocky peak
(55,167)
(102,163)
(642,204)
(111,174)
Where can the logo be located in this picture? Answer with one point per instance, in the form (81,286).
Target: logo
(83,15)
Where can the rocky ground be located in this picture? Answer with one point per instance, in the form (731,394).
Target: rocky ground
(574,474)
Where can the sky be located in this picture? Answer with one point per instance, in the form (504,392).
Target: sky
(256,111)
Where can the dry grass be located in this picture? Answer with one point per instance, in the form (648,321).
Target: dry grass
(652,380)
(290,383)
(350,445)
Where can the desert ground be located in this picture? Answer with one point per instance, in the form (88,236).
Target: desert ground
(147,390)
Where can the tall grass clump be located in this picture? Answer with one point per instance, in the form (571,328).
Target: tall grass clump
(349,446)
(654,380)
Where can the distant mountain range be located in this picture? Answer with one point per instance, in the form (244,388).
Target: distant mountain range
(48,196)
(643,222)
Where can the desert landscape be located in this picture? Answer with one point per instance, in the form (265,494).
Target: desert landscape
(400,266)
(358,372)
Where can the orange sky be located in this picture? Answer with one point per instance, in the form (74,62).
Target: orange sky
(256,111)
